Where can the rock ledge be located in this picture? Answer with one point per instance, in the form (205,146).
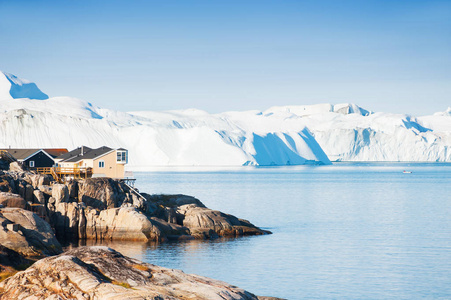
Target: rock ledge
(102,273)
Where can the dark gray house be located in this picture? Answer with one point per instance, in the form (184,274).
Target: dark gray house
(36,158)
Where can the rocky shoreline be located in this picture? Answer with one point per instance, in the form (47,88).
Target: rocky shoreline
(102,273)
(36,213)
(107,209)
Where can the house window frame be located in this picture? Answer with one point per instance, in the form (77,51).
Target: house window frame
(101,164)
(31,163)
(121,156)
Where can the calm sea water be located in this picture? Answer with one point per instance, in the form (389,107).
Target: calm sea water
(347,231)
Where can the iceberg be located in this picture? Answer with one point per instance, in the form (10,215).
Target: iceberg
(281,135)
(12,87)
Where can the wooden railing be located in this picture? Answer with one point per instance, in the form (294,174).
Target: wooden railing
(61,173)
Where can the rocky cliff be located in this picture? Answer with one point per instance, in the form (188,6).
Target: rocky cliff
(107,209)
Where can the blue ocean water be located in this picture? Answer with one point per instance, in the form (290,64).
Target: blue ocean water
(347,231)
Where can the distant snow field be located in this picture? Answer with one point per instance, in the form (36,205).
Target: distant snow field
(283,135)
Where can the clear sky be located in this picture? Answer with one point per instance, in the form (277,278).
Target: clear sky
(392,56)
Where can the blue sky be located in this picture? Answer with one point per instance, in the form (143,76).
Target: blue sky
(392,56)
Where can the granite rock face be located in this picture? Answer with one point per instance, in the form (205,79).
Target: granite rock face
(204,222)
(26,233)
(12,200)
(127,223)
(15,167)
(102,273)
(107,209)
(100,193)
(60,193)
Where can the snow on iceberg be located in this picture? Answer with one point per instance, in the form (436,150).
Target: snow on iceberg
(178,138)
(12,87)
(283,135)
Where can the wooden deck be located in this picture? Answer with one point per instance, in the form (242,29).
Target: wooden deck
(61,174)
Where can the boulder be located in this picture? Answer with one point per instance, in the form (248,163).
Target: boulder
(100,193)
(60,193)
(102,273)
(173,200)
(37,179)
(28,195)
(15,167)
(38,197)
(65,218)
(127,223)
(31,235)
(40,210)
(46,189)
(72,187)
(201,221)
(12,200)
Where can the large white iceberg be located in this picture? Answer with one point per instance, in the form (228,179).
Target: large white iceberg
(284,135)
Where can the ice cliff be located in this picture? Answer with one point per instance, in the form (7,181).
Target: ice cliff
(278,136)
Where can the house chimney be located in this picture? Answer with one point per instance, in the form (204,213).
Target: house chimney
(81,150)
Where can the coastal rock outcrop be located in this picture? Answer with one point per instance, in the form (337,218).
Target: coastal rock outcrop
(204,222)
(12,200)
(102,273)
(26,233)
(128,223)
(15,167)
(101,193)
(108,209)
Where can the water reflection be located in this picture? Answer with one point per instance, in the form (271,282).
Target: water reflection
(167,252)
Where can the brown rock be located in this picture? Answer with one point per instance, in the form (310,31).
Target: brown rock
(72,186)
(15,167)
(38,197)
(60,193)
(201,220)
(98,193)
(125,223)
(37,179)
(46,189)
(34,237)
(65,219)
(28,193)
(12,200)
(102,273)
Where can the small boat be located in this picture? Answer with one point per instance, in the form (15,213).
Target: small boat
(406,172)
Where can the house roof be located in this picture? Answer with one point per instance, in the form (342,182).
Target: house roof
(21,154)
(74,153)
(87,154)
(55,152)
(24,153)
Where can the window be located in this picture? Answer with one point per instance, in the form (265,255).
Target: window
(122,156)
(101,164)
(31,163)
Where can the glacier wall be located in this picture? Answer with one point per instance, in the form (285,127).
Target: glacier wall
(283,135)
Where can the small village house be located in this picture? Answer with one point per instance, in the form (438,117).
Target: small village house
(104,161)
(35,158)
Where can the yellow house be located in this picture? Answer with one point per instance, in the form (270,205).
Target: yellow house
(103,161)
